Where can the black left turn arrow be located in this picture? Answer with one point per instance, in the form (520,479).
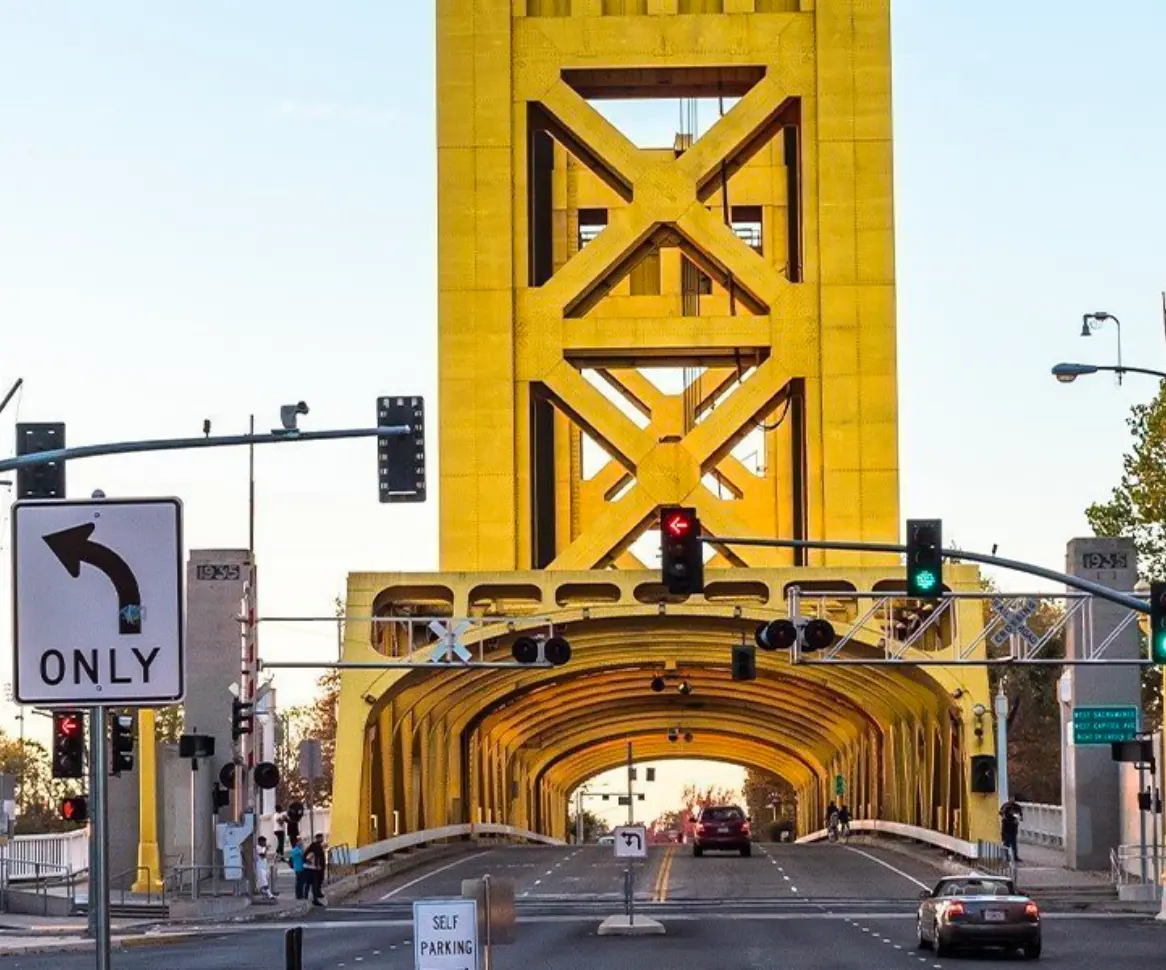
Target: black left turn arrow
(74,547)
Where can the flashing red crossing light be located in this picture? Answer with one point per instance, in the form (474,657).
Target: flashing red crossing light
(681,559)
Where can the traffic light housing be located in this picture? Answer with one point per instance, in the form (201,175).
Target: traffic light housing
(121,743)
(46,480)
(681,559)
(221,798)
(68,744)
(555,650)
(777,635)
(924,558)
(1158,622)
(75,809)
(242,718)
(401,459)
(744,662)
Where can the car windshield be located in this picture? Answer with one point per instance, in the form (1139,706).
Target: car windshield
(977,887)
(722,815)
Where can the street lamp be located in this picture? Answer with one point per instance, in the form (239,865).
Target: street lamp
(1091,321)
(1067,373)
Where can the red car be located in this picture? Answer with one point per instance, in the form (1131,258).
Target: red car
(722,828)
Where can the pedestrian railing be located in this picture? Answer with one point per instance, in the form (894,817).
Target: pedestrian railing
(941,840)
(1130,864)
(1042,824)
(411,840)
(40,878)
(996,859)
(25,856)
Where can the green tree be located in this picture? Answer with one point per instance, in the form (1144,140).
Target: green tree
(169,723)
(38,794)
(1137,510)
(593,826)
(695,797)
(764,792)
(1034,717)
(316,720)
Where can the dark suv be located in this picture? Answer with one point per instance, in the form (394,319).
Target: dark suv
(722,828)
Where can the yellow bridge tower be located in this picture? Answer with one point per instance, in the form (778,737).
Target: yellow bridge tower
(709,322)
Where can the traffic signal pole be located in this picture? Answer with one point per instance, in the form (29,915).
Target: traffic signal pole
(185,444)
(956,555)
(99,837)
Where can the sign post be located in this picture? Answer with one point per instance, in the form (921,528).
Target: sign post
(98,623)
(445,934)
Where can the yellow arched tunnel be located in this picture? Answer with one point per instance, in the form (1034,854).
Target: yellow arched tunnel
(423,748)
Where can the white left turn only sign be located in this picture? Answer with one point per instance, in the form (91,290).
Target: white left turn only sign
(97,600)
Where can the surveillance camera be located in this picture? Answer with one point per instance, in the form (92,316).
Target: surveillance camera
(288,414)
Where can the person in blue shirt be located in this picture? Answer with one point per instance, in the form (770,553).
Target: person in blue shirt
(303,877)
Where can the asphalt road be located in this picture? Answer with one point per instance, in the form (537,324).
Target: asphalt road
(795,907)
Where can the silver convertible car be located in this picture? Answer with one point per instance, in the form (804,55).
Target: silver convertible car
(974,911)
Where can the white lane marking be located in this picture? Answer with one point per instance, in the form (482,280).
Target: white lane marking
(793,889)
(413,882)
(786,878)
(897,947)
(887,865)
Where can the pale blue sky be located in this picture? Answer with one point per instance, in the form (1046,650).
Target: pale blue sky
(207,210)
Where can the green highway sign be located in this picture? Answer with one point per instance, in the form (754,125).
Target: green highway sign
(1104,724)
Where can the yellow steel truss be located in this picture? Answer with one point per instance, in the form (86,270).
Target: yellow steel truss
(758,259)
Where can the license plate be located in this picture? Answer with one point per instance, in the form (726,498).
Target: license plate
(724,830)
(994,916)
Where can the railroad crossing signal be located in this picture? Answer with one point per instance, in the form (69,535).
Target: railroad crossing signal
(1158,622)
(121,742)
(681,559)
(68,744)
(555,650)
(924,558)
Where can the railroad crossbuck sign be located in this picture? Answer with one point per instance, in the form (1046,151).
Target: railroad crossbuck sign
(97,594)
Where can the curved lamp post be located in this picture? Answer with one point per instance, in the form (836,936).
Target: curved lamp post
(1091,321)
(1067,373)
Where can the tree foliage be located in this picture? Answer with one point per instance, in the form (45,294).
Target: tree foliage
(696,797)
(1034,717)
(316,720)
(38,794)
(593,826)
(1137,510)
(764,792)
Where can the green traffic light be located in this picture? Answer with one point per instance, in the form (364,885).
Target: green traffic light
(925,580)
(1158,647)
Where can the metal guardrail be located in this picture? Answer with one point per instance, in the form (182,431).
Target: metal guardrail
(1042,824)
(377,850)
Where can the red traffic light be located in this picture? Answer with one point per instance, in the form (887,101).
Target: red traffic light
(75,809)
(69,725)
(678,524)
